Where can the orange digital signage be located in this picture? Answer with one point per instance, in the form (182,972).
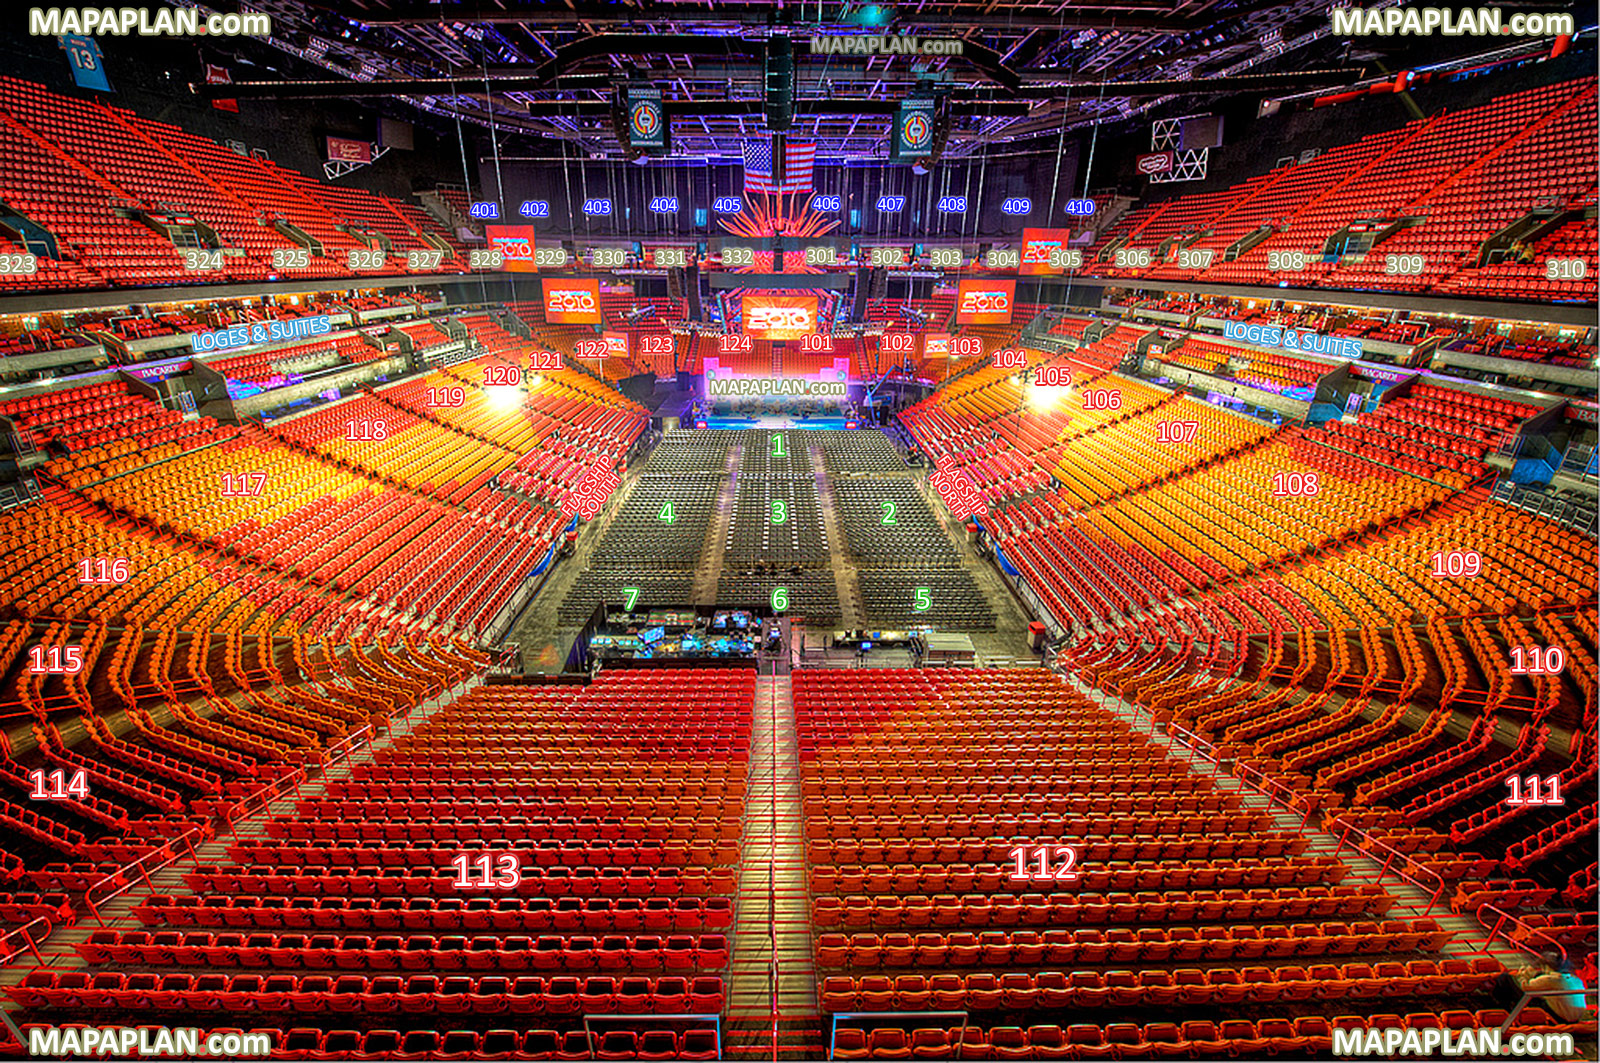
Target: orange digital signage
(1036,247)
(985,302)
(515,244)
(571,302)
(780,317)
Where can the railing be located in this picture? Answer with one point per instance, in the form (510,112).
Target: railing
(1530,994)
(1197,745)
(8,951)
(1274,791)
(1408,870)
(122,878)
(711,1019)
(1506,917)
(943,1019)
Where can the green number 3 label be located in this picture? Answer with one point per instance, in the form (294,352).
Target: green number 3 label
(780,511)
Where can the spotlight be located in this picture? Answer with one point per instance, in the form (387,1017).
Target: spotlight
(505,399)
(1043,398)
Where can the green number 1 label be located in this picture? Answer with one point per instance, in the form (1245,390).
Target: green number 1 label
(777,445)
(632,595)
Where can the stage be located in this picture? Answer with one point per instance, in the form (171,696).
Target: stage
(776,421)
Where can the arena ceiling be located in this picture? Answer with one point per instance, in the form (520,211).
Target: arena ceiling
(1026,70)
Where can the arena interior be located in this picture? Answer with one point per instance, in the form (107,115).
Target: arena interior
(964,529)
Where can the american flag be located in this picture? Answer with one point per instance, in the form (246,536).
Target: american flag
(797,160)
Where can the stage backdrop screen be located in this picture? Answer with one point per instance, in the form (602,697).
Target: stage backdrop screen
(515,243)
(985,302)
(780,317)
(571,302)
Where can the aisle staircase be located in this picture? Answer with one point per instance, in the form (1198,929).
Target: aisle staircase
(772,981)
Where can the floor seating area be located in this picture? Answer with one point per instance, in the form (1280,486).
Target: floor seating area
(643,549)
(848,453)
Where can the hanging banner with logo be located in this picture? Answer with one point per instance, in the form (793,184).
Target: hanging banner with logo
(1154,162)
(343,149)
(647,121)
(913,129)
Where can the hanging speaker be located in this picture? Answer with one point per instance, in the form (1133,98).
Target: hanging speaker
(779,84)
(858,305)
(691,285)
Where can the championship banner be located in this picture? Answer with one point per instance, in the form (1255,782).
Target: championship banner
(616,344)
(913,129)
(985,302)
(647,120)
(779,317)
(341,149)
(571,302)
(515,244)
(935,345)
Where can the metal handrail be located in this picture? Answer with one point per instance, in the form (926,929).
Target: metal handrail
(1505,917)
(1369,841)
(1530,994)
(123,882)
(29,942)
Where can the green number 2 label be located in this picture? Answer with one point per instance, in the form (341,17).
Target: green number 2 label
(888,513)
(780,511)
(923,602)
(632,594)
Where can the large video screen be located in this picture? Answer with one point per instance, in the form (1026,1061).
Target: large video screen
(515,243)
(982,301)
(571,302)
(1036,247)
(780,317)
